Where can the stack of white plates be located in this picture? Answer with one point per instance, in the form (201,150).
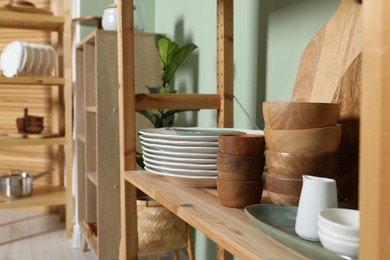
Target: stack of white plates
(27,59)
(187,156)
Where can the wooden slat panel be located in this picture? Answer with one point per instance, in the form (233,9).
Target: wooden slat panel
(13,99)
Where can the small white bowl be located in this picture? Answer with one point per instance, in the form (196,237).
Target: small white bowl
(343,222)
(110,18)
(334,235)
(350,249)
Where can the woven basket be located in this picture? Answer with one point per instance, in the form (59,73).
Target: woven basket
(158,228)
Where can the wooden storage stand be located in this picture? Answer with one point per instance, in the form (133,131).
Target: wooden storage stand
(59,191)
(130,101)
(200,207)
(97,127)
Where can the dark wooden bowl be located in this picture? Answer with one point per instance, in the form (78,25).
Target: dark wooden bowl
(281,199)
(285,186)
(294,165)
(240,168)
(20,125)
(300,115)
(242,144)
(239,194)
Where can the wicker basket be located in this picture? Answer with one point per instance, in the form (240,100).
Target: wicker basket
(158,228)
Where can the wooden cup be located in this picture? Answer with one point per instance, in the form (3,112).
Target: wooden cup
(239,194)
(240,168)
(242,144)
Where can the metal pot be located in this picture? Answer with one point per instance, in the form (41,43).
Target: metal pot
(17,184)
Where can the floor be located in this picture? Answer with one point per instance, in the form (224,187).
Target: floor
(30,235)
(27,235)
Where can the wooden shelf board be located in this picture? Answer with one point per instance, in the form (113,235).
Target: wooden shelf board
(200,208)
(91,109)
(7,141)
(32,81)
(44,196)
(90,241)
(20,20)
(92,176)
(178,101)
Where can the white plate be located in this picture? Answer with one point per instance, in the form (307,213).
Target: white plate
(28,68)
(193,181)
(12,59)
(188,133)
(180,159)
(187,149)
(182,172)
(180,154)
(189,166)
(37,59)
(178,142)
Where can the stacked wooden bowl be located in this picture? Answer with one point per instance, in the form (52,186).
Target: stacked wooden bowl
(301,139)
(240,166)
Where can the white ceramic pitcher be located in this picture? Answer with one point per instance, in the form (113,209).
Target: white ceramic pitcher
(317,194)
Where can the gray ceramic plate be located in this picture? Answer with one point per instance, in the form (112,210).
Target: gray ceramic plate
(279,222)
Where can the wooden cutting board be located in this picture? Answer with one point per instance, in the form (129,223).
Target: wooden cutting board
(348,95)
(329,54)
(330,72)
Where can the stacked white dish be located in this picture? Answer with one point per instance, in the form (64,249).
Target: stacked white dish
(338,230)
(187,156)
(27,59)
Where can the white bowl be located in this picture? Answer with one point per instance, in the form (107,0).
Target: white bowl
(343,222)
(110,18)
(12,59)
(336,235)
(350,249)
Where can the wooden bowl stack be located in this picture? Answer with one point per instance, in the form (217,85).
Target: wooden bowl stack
(240,165)
(29,124)
(301,139)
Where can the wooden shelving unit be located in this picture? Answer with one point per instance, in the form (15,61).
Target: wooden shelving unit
(130,101)
(199,208)
(60,191)
(97,127)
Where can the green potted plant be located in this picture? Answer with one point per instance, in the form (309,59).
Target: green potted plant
(171,57)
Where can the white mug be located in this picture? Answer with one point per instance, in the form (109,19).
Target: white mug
(317,194)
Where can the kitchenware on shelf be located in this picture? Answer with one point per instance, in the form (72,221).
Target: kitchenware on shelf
(282,199)
(313,140)
(242,144)
(349,249)
(294,165)
(110,18)
(27,59)
(286,186)
(343,223)
(239,194)
(30,124)
(16,184)
(185,155)
(240,168)
(300,115)
(279,223)
(25,7)
(317,194)
(12,59)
